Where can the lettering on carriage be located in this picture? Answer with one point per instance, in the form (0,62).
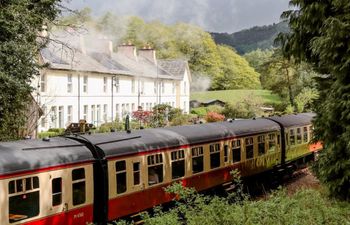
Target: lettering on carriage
(79,215)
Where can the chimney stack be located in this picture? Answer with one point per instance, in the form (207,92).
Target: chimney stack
(149,53)
(128,50)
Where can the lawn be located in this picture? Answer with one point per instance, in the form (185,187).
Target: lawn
(233,96)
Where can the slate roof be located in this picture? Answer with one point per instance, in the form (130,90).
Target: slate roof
(65,55)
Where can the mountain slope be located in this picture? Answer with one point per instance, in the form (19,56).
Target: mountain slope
(251,39)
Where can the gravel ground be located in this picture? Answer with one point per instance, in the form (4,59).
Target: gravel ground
(301,179)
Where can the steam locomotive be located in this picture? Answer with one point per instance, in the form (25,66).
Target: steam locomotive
(82,179)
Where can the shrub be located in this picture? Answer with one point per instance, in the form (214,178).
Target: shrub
(200,111)
(57,130)
(214,117)
(181,120)
(215,108)
(48,134)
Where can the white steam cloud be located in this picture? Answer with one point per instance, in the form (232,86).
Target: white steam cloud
(211,15)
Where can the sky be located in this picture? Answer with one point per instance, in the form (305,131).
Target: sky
(212,15)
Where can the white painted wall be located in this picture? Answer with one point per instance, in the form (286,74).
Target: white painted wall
(56,101)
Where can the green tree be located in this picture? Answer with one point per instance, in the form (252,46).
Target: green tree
(258,60)
(79,18)
(20,22)
(237,74)
(320,36)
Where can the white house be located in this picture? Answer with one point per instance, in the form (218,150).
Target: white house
(83,81)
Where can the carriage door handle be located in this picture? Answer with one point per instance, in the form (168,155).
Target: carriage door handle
(65,207)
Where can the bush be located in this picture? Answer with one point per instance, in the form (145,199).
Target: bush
(200,111)
(214,117)
(48,134)
(181,120)
(57,130)
(215,108)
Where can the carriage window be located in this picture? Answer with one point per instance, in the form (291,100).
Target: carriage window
(226,153)
(299,137)
(23,199)
(155,169)
(236,151)
(120,169)
(136,169)
(305,135)
(56,191)
(79,190)
(177,164)
(272,142)
(249,148)
(214,156)
(311,129)
(197,160)
(292,137)
(261,145)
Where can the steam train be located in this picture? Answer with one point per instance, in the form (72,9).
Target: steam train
(82,179)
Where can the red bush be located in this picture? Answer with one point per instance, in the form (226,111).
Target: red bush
(214,117)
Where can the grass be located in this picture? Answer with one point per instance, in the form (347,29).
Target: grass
(233,96)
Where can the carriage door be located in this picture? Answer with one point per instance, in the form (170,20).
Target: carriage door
(57,201)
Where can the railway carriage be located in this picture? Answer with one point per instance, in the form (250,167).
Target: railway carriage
(102,177)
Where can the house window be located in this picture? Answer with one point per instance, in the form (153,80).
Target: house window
(236,151)
(163,87)
(117,110)
(177,164)
(155,169)
(53,115)
(43,82)
(272,142)
(93,118)
(127,108)
(120,168)
(56,191)
(133,85)
(105,79)
(44,118)
(69,83)
(174,86)
(116,84)
(85,115)
(69,113)
(155,87)
(136,173)
(85,84)
(133,106)
(61,117)
(261,145)
(24,200)
(98,113)
(185,87)
(78,185)
(197,160)
(123,109)
(105,106)
(249,148)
